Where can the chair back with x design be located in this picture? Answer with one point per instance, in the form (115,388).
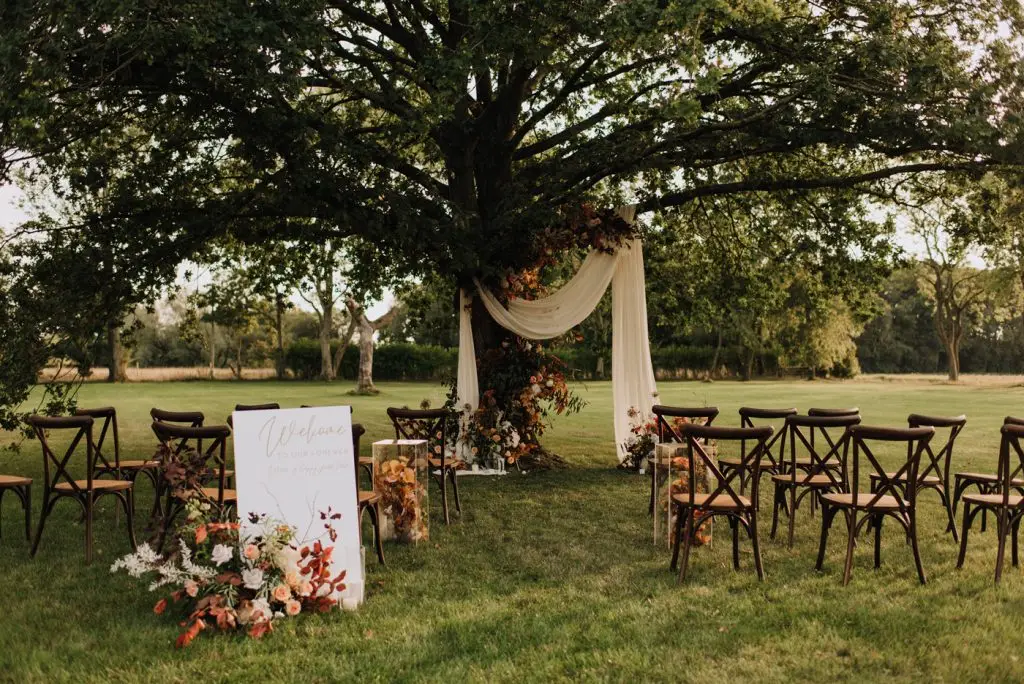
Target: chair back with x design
(938,464)
(215,436)
(901,485)
(801,440)
(109,426)
(1011,457)
(747,417)
(55,468)
(704,415)
(695,436)
(830,413)
(187,418)
(427,424)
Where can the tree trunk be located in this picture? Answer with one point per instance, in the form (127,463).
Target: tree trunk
(713,370)
(953,361)
(238,361)
(344,342)
(600,366)
(213,348)
(748,367)
(117,371)
(279,364)
(364,384)
(326,332)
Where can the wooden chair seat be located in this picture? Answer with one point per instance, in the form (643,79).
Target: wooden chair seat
(988,477)
(14,481)
(367,498)
(730,461)
(139,465)
(230,496)
(806,463)
(718,502)
(803,480)
(884,503)
(99,485)
(1013,501)
(927,479)
(365,461)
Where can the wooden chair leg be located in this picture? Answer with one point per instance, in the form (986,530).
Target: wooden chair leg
(1013,548)
(951,524)
(128,503)
(755,542)
(1001,531)
(878,539)
(775,508)
(650,504)
(678,539)
(851,540)
(687,540)
(43,514)
(963,536)
(827,514)
(444,497)
(455,490)
(792,515)
(915,548)
(28,513)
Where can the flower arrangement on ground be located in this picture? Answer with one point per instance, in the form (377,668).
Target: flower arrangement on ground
(224,578)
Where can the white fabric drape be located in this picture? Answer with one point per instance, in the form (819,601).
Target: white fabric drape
(633,382)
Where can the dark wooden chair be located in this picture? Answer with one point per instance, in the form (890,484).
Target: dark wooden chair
(60,484)
(703,415)
(987,483)
(273,406)
(810,469)
(22,488)
(1004,499)
(210,446)
(895,494)
(826,434)
(369,499)
(693,508)
(933,473)
(188,418)
(432,426)
(108,461)
(772,461)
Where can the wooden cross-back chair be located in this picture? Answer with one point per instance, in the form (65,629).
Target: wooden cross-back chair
(986,483)
(810,469)
(188,418)
(22,488)
(432,426)
(825,434)
(108,460)
(1005,500)
(693,508)
(179,441)
(772,461)
(894,494)
(59,483)
(272,406)
(933,473)
(663,415)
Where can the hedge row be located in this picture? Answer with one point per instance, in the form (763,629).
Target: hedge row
(390,361)
(672,362)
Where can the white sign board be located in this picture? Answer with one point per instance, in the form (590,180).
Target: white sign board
(294,464)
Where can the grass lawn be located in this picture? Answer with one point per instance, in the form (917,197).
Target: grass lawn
(548,576)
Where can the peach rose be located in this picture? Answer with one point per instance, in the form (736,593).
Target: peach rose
(305,589)
(292,608)
(282,592)
(252,552)
(191,588)
(292,579)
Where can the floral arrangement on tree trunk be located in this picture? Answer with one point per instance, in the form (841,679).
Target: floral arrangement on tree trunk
(522,384)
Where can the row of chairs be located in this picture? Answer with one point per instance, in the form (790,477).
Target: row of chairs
(817,465)
(180,432)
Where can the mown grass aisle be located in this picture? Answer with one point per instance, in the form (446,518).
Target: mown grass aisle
(549,575)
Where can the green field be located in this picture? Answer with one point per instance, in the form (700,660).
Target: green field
(549,575)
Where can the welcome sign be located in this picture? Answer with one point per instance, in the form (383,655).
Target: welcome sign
(294,464)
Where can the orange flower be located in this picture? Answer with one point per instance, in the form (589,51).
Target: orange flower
(292,608)
(201,534)
(282,593)
(160,606)
(252,552)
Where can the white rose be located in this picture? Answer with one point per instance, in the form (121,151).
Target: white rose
(252,578)
(288,558)
(535,388)
(550,383)
(263,606)
(221,554)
